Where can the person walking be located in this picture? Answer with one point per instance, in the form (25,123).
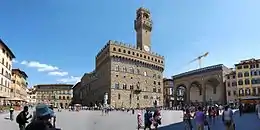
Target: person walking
(53,119)
(11,113)
(148,120)
(241,108)
(157,119)
(187,119)
(139,121)
(258,109)
(22,118)
(227,118)
(200,118)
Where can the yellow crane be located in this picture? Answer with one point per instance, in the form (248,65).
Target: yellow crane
(199,58)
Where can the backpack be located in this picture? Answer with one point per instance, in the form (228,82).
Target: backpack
(19,118)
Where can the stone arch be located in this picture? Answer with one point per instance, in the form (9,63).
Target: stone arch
(213,93)
(181,93)
(195,92)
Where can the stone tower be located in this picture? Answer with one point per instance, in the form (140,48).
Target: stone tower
(143,28)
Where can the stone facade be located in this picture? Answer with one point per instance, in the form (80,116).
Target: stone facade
(132,76)
(231,87)
(168,92)
(60,95)
(31,96)
(248,78)
(5,74)
(19,85)
(205,85)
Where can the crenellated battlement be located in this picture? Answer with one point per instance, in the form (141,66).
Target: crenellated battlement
(126,45)
(143,9)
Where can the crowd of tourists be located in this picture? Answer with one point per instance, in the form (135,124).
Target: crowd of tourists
(44,118)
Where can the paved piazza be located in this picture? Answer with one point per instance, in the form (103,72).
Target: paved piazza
(93,120)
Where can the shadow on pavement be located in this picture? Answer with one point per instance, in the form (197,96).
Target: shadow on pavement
(248,121)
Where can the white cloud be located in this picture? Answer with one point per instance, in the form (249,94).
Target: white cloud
(71,79)
(14,61)
(58,73)
(40,67)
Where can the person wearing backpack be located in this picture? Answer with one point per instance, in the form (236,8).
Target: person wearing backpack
(43,116)
(227,118)
(11,111)
(22,118)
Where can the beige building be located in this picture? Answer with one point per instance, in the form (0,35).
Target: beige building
(168,92)
(19,85)
(231,87)
(31,96)
(60,95)
(130,75)
(6,56)
(248,78)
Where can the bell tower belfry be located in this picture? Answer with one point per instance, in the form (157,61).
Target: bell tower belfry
(143,28)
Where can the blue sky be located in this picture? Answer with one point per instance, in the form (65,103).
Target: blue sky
(52,36)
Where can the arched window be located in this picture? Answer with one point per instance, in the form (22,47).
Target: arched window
(214,90)
(124,69)
(241,92)
(239,75)
(116,85)
(131,70)
(248,91)
(138,71)
(119,96)
(246,74)
(117,68)
(63,98)
(145,73)
(240,82)
(114,49)
(247,81)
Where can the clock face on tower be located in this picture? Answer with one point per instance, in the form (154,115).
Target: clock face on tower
(146,48)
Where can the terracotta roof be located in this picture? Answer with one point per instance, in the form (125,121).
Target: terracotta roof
(7,48)
(199,71)
(249,61)
(21,72)
(42,85)
(165,79)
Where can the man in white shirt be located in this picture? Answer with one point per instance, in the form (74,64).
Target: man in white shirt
(227,118)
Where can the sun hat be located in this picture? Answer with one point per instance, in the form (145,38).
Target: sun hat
(43,110)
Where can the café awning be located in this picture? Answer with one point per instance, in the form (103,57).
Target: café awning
(14,99)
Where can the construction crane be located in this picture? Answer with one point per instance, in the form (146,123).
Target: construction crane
(199,58)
